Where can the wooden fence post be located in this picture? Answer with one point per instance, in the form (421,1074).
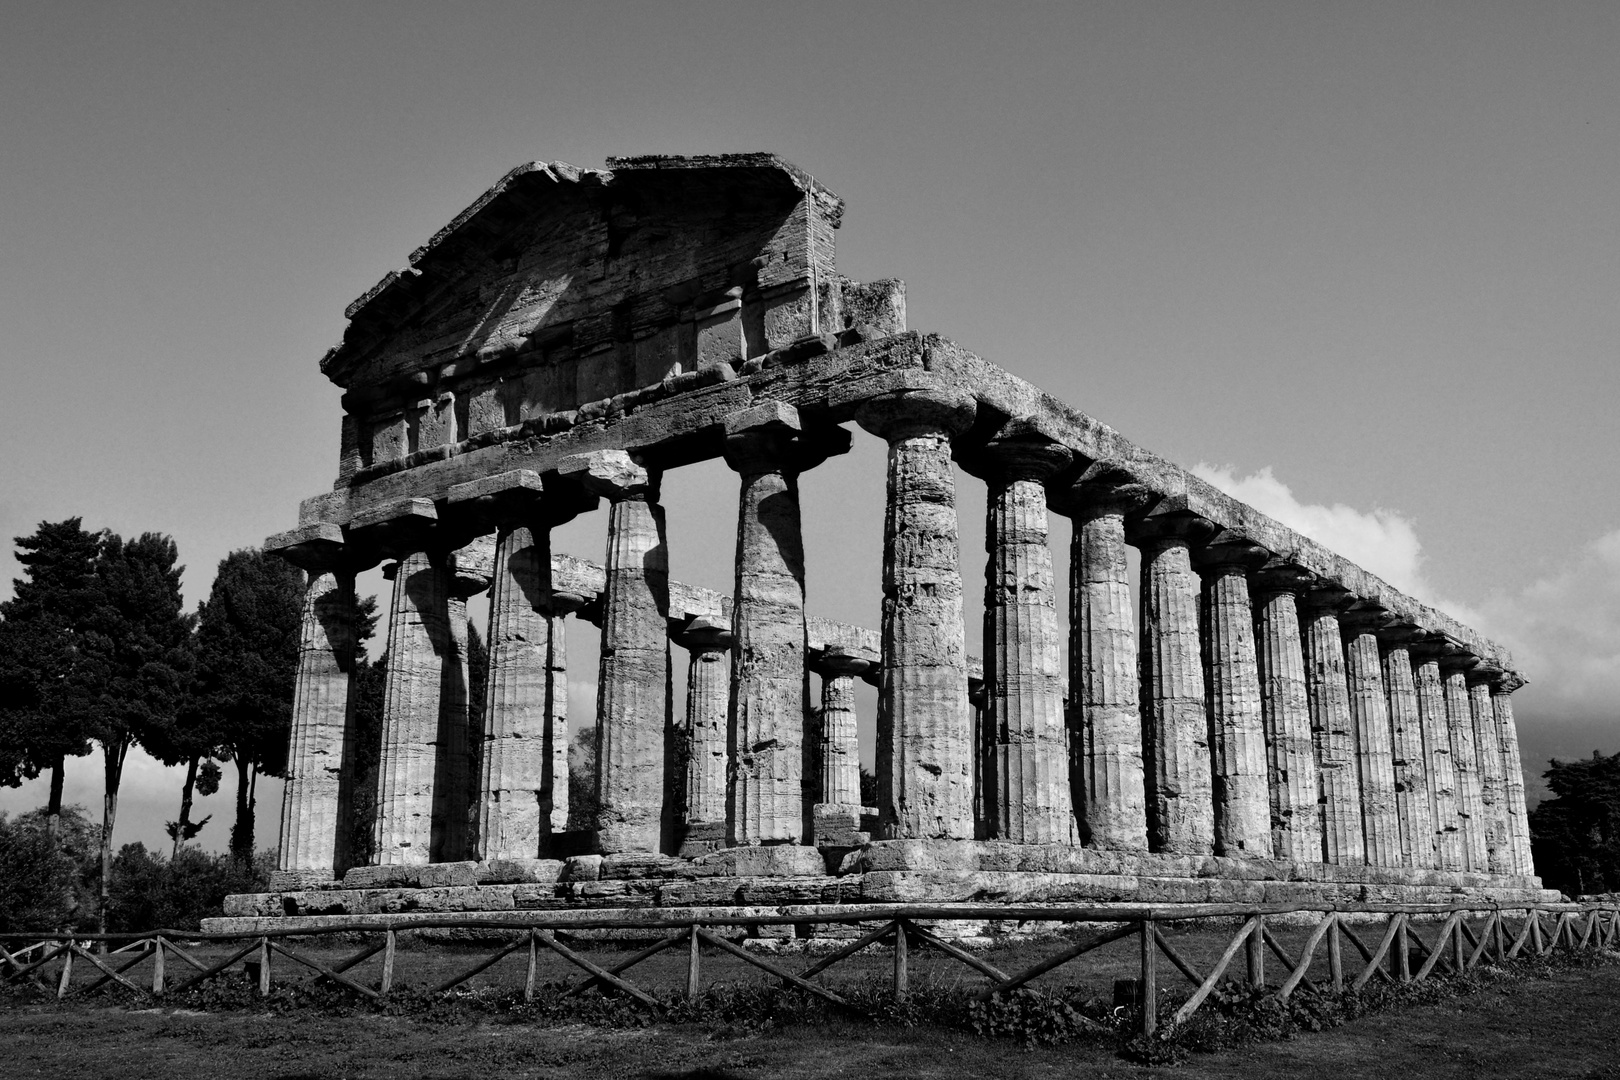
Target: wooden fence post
(1335,956)
(534,963)
(264,965)
(387,982)
(694,983)
(901,989)
(1401,960)
(157,964)
(1257,954)
(1150,980)
(1459,958)
(67,970)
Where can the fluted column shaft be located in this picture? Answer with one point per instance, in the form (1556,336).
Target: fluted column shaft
(1465,760)
(1029,789)
(767,748)
(840,746)
(422,656)
(1296,817)
(1331,728)
(1175,728)
(517,792)
(1518,826)
(1103,657)
(1442,772)
(1237,737)
(453,770)
(925,730)
(558,732)
(1492,783)
(313,820)
(708,693)
(1375,756)
(634,697)
(1413,808)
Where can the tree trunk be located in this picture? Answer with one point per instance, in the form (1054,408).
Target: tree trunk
(112,756)
(53,808)
(242,830)
(185,806)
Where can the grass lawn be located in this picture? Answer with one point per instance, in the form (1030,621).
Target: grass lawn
(1541,1020)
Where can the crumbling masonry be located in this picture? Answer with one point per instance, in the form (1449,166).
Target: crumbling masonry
(1264,722)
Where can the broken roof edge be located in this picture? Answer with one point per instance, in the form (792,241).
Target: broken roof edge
(561,172)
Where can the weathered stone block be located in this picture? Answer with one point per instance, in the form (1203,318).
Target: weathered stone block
(515,871)
(764,860)
(433,875)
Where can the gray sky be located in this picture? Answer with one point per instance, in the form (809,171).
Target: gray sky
(1360,261)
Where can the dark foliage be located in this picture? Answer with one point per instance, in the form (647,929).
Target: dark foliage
(1575,837)
(47,682)
(48,876)
(150,892)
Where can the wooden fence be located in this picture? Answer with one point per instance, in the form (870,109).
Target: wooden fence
(1393,942)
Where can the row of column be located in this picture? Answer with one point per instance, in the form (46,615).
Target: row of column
(1254,712)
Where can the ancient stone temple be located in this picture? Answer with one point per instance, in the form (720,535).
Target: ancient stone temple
(1259,721)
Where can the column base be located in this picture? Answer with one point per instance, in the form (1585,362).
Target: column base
(888,871)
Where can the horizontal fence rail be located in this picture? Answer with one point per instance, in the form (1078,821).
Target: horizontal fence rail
(1458,939)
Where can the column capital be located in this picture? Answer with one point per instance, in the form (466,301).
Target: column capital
(1398,634)
(611,474)
(1104,489)
(473,567)
(514,498)
(1166,526)
(1366,617)
(1020,450)
(1325,597)
(1227,550)
(1508,682)
(770,437)
(843,660)
(316,548)
(397,528)
(1280,575)
(1486,672)
(705,633)
(937,409)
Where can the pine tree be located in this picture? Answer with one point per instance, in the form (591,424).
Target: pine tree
(44,683)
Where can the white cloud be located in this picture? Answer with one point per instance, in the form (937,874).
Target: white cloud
(1563,630)
(1379,540)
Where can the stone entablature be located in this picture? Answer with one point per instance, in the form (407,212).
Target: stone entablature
(1251,721)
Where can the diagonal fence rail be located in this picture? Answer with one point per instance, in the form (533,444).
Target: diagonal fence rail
(1458,939)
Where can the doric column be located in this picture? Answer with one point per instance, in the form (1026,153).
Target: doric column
(925,733)
(840,747)
(1027,781)
(1296,814)
(563,604)
(421,656)
(314,821)
(1431,698)
(1465,760)
(768,447)
(516,801)
(1369,714)
(1518,827)
(1105,721)
(1413,803)
(1175,726)
(1492,782)
(1232,677)
(707,640)
(633,699)
(1342,839)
